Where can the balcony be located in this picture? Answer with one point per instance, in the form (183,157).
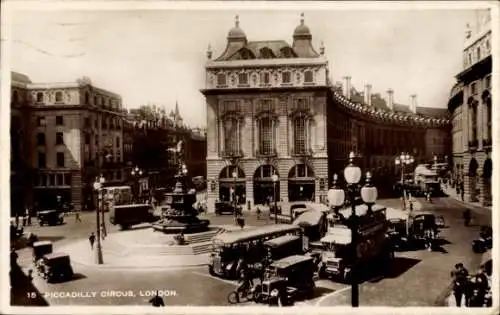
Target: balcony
(231,153)
(266,153)
(302,152)
(473,145)
(487,143)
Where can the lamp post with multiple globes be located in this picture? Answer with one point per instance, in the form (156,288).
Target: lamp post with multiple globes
(403,160)
(136,173)
(235,176)
(99,191)
(336,199)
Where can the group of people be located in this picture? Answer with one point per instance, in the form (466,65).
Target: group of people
(473,289)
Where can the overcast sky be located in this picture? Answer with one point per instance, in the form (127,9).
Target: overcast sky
(158,56)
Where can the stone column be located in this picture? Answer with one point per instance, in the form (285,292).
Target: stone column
(481,184)
(76,190)
(284,188)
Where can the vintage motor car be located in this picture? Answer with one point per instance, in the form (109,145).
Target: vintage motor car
(226,207)
(56,267)
(485,240)
(285,280)
(40,249)
(50,217)
(283,246)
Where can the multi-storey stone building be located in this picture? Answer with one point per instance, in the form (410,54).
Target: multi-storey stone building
(68,129)
(271,109)
(470,105)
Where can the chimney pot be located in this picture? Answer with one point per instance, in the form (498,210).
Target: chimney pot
(347,87)
(390,99)
(368,94)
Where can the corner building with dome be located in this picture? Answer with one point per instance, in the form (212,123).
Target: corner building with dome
(272,109)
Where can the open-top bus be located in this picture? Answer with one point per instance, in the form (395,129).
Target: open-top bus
(232,250)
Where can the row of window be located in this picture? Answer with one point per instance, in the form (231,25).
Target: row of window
(53,179)
(98,100)
(265,78)
(477,54)
(267,135)
(41,121)
(42,159)
(41,140)
(88,136)
(108,122)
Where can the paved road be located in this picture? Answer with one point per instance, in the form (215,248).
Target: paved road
(424,276)
(418,280)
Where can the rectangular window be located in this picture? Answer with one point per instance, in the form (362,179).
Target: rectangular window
(118,142)
(40,139)
(264,78)
(40,121)
(42,160)
(87,138)
(118,175)
(43,180)
(67,179)
(59,120)
(86,123)
(60,159)
(286,77)
(243,79)
(308,76)
(59,97)
(52,180)
(59,179)
(266,136)
(59,138)
(231,136)
(221,79)
(39,97)
(487,82)
(300,133)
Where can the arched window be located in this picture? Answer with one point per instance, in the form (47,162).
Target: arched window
(300,135)
(266,53)
(221,79)
(266,135)
(232,136)
(473,119)
(301,171)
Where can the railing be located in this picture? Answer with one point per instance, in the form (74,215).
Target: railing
(473,144)
(266,153)
(231,153)
(301,152)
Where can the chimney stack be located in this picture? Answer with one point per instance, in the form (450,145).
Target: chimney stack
(368,94)
(413,103)
(347,87)
(390,99)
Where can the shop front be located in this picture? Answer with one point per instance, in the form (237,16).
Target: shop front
(301,183)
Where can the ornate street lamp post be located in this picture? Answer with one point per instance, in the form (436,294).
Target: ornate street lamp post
(403,160)
(99,191)
(336,198)
(136,173)
(275,179)
(235,175)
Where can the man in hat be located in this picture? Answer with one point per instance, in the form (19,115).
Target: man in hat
(459,275)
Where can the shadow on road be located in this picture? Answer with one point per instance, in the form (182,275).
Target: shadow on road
(401,265)
(78,276)
(23,242)
(23,292)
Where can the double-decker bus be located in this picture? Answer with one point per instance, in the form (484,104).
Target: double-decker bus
(232,250)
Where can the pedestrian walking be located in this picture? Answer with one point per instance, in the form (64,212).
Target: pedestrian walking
(25,220)
(459,275)
(77,217)
(28,215)
(467,215)
(13,257)
(92,240)
(462,190)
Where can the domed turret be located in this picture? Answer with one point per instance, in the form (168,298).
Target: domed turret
(236,33)
(302,30)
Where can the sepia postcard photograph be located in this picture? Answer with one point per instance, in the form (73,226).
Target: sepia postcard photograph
(249,157)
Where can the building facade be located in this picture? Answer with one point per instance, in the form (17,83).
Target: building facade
(71,130)
(272,110)
(470,105)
